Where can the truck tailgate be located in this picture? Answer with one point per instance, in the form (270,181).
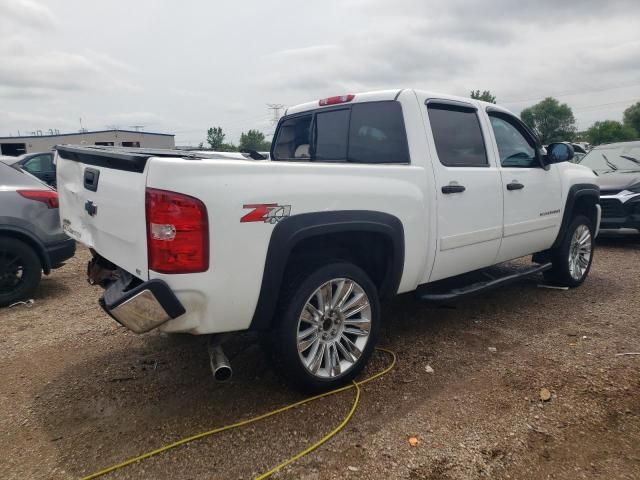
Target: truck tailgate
(102,205)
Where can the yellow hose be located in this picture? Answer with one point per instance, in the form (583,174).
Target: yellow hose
(249,421)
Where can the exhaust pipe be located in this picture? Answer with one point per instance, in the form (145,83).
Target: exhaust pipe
(220,366)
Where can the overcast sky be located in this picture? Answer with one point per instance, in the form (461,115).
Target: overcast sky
(182,66)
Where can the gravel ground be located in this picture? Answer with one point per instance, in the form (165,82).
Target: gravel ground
(80,393)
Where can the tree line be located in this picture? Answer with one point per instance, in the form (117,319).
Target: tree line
(251,140)
(553,121)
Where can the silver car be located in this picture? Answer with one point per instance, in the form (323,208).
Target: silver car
(31,238)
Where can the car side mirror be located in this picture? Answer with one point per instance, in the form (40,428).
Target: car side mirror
(559,152)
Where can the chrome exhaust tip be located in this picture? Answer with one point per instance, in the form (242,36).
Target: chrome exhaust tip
(220,366)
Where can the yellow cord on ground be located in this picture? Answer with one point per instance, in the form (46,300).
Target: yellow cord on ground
(249,421)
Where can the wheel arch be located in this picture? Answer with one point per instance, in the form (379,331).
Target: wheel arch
(18,233)
(329,233)
(581,199)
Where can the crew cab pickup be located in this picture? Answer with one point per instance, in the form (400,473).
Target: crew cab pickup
(363,197)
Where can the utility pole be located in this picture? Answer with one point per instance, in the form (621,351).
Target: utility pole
(275,107)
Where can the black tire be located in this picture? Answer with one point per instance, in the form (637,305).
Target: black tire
(281,343)
(20,271)
(561,272)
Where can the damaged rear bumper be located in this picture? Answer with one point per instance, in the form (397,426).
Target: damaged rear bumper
(140,307)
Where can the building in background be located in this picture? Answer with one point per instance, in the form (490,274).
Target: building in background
(15,146)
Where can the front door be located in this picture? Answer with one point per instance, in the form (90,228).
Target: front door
(469,190)
(532,194)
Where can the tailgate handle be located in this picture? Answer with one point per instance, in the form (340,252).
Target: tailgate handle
(91,176)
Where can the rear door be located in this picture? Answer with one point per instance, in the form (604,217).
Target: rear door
(469,191)
(102,205)
(532,194)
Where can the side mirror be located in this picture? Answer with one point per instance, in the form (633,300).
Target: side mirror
(559,152)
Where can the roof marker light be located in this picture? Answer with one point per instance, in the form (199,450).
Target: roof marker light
(336,100)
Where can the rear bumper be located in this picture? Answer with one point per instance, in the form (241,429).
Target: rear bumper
(143,307)
(61,251)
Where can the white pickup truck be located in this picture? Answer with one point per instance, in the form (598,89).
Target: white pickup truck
(365,196)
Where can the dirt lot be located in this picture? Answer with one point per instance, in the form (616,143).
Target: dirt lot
(79,392)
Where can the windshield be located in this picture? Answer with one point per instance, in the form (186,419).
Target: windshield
(611,159)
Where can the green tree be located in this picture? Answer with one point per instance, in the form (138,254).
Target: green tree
(609,131)
(632,117)
(215,137)
(485,96)
(253,140)
(551,120)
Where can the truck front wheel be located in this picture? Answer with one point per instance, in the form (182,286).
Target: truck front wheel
(326,326)
(572,258)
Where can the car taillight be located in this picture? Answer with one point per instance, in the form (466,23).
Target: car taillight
(48,197)
(177,232)
(336,100)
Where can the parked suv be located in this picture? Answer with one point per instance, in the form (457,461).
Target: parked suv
(31,237)
(364,196)
(618,167)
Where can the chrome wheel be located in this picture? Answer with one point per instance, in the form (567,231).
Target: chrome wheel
(580,250)
(334,328)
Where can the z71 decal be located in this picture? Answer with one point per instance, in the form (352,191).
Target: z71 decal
(266,212)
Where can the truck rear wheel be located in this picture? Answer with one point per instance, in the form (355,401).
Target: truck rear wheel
(326,326)
(20,270)
(572,258)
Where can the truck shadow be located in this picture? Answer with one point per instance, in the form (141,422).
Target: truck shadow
(156,389)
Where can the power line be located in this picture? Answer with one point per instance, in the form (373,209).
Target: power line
(571,93)
(586,107)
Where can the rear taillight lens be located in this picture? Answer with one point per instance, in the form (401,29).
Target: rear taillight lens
(177,232)
(48,197)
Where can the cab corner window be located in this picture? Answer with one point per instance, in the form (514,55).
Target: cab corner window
(458,137)
(514,149)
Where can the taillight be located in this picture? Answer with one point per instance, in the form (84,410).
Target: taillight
(48,197)
(177,232)
(336,100)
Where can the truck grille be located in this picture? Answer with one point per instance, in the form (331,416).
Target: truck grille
(611,208)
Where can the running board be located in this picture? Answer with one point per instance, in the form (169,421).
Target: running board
(475,282)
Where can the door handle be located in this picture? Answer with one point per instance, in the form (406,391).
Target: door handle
(515,186)
(453,189)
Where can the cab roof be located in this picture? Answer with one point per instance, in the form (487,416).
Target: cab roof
(382,95)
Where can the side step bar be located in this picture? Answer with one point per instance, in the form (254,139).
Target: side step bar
(476,282)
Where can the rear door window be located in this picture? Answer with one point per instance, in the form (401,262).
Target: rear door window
(330,135)
(457,135)
(377,134)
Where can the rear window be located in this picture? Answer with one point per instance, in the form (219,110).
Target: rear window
(371,132)
(457,135)
(331,135)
